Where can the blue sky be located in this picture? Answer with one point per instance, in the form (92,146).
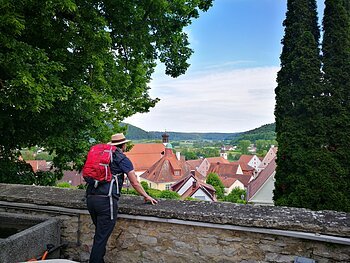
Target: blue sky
(230,84)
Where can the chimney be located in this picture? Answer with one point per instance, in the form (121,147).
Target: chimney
(178,155)
(194,184)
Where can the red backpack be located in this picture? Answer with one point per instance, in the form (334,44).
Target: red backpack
(97,165)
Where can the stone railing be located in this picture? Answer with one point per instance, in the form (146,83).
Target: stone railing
(189,231)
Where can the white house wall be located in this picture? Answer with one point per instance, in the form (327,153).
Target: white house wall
(264,195)
(239,170)
(236,184)
(254,162)
(200,194)
(203,167)
(185,187)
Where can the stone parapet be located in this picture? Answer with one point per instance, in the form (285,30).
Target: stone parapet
(283,218)
(188,231)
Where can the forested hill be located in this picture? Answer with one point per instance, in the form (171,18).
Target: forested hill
(265,132)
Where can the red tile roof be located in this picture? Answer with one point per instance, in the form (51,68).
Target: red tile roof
(228,174)
(73,177)
(194,163)
(245,158)
(38,165)
(223,169)
(143,156)
(164,169)
(147,148)
(228,181)
(217,160)
(245,166)
(262,177)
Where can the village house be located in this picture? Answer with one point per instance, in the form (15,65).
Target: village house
(166,171)
(144,155)
(202,165)
(190,186)
(270,155)
(231,175)
(260,190)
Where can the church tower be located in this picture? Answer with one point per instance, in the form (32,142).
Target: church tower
(165,138)
(223,152)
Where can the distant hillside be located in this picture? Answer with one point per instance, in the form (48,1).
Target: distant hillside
(265,132)
(135,133)
(188,136)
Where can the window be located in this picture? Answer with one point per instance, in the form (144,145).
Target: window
(167,186)
(177,172)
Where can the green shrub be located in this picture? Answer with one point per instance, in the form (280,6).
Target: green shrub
(131,191)
(145,185)
(236,196)
(82,186)
(64,185)
(154,193)
(169,195)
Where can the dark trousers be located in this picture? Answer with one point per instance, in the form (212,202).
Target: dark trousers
(99,209)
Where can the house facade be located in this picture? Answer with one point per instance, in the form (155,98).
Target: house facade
(270,155)
(144,155)
(166,171)
(260,190)
(231,175)
(190,186)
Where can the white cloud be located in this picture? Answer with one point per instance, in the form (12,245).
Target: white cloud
(211,101)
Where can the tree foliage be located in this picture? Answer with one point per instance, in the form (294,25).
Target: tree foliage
(70,71)
(243,146)
(236,196)
(214,180)
(336,106)
(312,109)
(295,111)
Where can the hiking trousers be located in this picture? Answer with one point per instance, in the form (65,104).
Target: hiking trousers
(100,212)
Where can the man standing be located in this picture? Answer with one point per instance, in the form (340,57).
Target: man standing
(103,210)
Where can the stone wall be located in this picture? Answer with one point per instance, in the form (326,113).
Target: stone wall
(189,231)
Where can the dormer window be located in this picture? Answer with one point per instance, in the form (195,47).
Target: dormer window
(177,172)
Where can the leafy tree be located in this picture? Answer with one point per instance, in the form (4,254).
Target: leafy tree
(243,145)
(189,155)
(335,172)
(230,157)
(236,196)
(214,180)
(208,152)
(70,71)
(15,171)
(297,108)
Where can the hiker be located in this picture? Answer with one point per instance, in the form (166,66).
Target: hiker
(102,198)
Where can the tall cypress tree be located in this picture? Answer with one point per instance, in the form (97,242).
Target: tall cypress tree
(297,109)
(336,102)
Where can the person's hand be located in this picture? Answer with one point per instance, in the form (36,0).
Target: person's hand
(150,199)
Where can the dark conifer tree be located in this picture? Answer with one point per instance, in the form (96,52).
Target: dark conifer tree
(297,109)
(336,104)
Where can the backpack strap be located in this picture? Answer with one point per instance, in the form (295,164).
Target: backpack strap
(114,179)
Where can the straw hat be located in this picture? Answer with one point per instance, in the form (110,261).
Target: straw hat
(118,139)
